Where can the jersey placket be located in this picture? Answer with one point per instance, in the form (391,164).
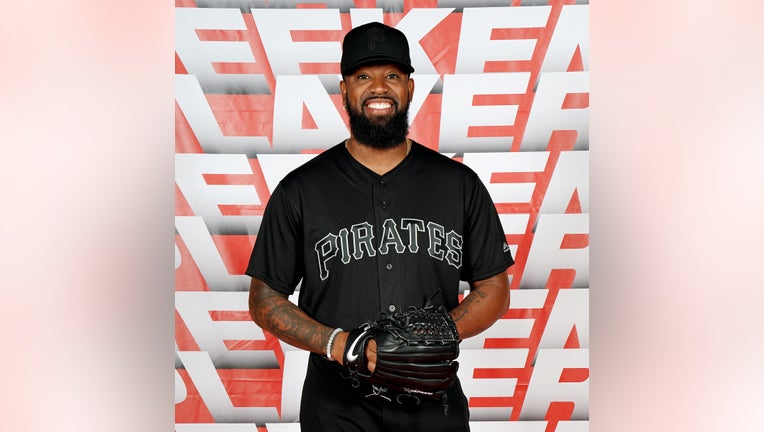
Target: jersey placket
(388,261)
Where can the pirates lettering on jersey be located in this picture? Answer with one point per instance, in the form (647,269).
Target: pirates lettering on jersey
(358,241)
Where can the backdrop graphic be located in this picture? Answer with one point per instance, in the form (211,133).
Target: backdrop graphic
(502,86)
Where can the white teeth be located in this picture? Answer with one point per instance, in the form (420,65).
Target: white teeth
(379,105)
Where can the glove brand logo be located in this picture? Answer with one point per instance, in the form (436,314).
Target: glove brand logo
(352,355)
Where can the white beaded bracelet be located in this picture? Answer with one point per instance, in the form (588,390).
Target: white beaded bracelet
(331,341)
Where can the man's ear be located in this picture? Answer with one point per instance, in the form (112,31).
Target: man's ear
(343,89)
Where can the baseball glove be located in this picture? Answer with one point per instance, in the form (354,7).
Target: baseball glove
(416,351)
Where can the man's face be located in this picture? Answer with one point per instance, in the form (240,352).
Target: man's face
(377,98)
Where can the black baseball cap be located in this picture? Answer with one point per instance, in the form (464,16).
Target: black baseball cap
(375,43)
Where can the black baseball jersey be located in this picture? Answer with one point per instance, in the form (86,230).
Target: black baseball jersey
(362,243)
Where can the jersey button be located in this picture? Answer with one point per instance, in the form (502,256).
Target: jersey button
(383,204)
(391,308)
(389,266)
(382,183)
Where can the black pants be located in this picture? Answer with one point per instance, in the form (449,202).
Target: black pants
(331,403)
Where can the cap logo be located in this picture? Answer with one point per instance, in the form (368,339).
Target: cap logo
(375,35)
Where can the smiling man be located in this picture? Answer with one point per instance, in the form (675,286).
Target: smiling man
(378,231)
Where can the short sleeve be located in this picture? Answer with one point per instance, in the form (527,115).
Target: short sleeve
(486,252)
(276,257)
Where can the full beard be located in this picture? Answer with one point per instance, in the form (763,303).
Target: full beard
(384,133)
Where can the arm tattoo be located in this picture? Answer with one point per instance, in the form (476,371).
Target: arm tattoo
(475,297)
(289,323)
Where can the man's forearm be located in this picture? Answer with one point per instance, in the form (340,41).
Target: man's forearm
(273,311)
(487,301)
